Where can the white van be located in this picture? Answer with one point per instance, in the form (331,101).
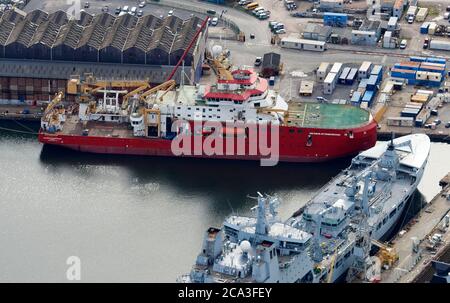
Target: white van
(125,9)
(133,10)
(214,21)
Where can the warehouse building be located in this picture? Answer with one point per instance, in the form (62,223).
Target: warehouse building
(317,32)
(368,34)
(156,43)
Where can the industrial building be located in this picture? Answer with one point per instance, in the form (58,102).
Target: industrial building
(368,34)
(156,43)
(316,32)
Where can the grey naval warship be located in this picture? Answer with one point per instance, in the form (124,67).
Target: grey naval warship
(330,237)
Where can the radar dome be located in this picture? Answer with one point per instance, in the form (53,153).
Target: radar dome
(246,246)
(216,50)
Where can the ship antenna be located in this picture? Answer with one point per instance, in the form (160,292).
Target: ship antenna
(229,204)
(391,145)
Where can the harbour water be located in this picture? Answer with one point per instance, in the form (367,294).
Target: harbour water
(135,219)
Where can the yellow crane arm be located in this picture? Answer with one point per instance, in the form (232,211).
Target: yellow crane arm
(54,102)
(168,85)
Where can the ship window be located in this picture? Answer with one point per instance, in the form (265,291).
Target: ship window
(379,226)
(178,107)
(291,131)
(299,131)
(347,255)
(400,205)
(385,220)
(392,213)
(218,117)
(339,263)
(189,108)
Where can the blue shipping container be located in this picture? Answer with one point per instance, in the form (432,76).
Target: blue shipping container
(397,74)
(372,83)
(335,19)
(436,60)
(356,97)
(408,67)
(368,97)
(424,28)
(417,59)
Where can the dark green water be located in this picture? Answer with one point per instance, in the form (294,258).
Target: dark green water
(135,219)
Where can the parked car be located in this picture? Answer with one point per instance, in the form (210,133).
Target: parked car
(426,43)
(252,36)
(280,31)
(258,61)
(214,21)
(118,10)
(447,125)
(403,44)
(140,13)
(142,4)
(105,9)
(170,13)
(410,19)
(87,4)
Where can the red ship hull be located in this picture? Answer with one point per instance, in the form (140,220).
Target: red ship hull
(327,144)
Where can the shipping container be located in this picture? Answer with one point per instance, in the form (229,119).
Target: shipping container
(329,83)
(432,28)
(403,73)
(364,70)
(417,59)
(377,70)
(422,14)
(400,121)
(356,98)
(407,65)
(363,83)
(424,28)
(436,60)
(336,68)
(335,19)
(344,75)
(303,44)
(372,83)
(368,97)
(420,98)
(440,45)
(322,71)
(351,76)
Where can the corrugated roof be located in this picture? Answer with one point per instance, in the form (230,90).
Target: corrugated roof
(120,31)
(146,33)
(141,36)
(70,34)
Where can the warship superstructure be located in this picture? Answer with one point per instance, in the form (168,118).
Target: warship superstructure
(330,236)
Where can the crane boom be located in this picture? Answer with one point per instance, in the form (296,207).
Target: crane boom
(186,51)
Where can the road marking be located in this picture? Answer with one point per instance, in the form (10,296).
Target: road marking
(384,59)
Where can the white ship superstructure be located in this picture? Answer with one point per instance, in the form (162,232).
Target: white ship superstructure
(328,237)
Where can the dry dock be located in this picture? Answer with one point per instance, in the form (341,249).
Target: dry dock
(427,223)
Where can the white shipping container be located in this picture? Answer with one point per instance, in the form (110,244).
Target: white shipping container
(422,14)
(440,45)
(411,11)
(336,68)
(432,28)
(400,121)
(322,71)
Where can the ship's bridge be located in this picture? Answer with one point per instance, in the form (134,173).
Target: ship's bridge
(286,236)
